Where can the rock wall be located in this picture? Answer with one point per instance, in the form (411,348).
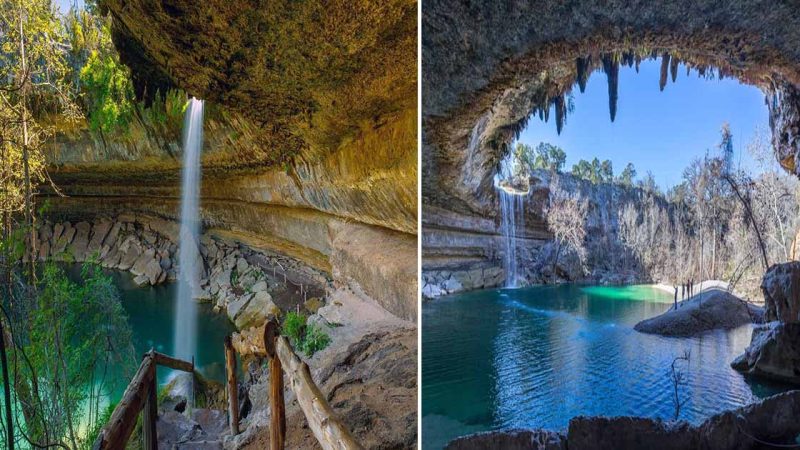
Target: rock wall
(238,280)
(774,350)
(466,251)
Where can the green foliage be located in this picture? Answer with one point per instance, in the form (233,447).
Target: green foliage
(627,176)
(546,156)
(75,333)
(315,340)
(294,327)
(109,90)
(594,171)
(307,338)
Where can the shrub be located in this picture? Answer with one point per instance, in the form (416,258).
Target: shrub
(307,338)
(315,340)
(294,327)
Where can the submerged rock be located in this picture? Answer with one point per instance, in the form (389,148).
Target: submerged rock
(714,309)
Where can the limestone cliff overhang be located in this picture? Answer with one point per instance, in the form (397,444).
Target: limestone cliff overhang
(488,67)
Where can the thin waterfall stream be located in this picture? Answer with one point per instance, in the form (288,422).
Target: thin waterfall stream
(189,262)
(512,183)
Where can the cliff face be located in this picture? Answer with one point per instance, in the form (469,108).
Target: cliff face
(480,87)
(310,133)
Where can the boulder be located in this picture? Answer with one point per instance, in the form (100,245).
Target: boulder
(249,341)
(236,305)
(154,273)
(80,243)
(781,287)
(242,266)
(113,234)
(259,286)
(714,309)
(774,353)
(99,232)
(257,311)
(140,265)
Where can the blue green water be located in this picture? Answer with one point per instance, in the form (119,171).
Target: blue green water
(538,356)
(151,315)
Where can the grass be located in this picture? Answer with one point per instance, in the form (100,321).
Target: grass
(307,338)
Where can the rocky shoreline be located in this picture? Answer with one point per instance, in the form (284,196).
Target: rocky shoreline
(244,283)
(772,420)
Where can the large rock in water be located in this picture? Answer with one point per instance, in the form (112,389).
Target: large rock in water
(774,350)
(706,311)
(773,420)
(781,287)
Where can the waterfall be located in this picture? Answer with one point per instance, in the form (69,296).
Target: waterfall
(511,183)
(190,265)
(512,212)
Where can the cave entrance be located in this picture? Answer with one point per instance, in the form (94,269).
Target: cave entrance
(660,172)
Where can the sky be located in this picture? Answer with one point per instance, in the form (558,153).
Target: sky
(657,131)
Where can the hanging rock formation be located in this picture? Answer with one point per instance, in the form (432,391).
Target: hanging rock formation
(481,88)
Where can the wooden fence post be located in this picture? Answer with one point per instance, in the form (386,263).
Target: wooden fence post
(150,413)
(233,394)
(277,429)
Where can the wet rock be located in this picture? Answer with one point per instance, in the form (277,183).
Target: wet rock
(714,309)
(781,287)
(511,440)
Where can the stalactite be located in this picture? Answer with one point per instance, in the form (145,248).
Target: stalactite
(561,112)
(702,71)
(664,68)
(547,113)
(583,66)
(673,68)
(611,68)
(638,61)
(627,58)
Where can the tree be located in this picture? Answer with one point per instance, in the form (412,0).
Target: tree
(545,156)
(595,171)
(627,176)
(566,217)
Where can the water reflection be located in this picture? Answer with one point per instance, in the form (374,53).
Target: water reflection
(536,357)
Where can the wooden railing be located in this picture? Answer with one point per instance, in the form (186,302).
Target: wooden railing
(140,396)
(326,426)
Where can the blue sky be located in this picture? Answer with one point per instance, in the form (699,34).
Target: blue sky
(657,131)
